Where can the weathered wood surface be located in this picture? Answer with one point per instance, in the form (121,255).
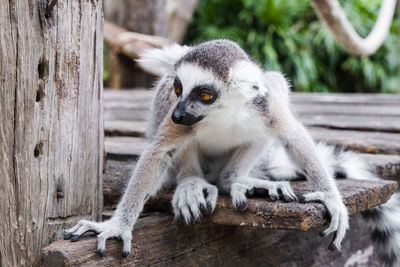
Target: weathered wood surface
(160,241)
(51,122)
(262,212)
(120,168)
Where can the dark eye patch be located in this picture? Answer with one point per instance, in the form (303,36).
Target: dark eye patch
(207,89)
(177,83)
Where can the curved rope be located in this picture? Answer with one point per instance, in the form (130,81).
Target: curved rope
(330,12)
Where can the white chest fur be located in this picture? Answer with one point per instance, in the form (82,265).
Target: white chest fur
(229,128)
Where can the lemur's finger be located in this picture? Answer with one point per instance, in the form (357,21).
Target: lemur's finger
(70,232)
(287,195)
(332,246)
(211,198)
(273,194)
(185,212)
(67,235)
(101,242)
(126,239)
(238,194)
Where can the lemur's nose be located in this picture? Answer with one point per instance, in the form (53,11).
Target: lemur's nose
(182,117)
(178,116)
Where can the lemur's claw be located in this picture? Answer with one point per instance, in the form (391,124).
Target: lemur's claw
(100,252)
(273,197)
(193,198)
(243,206)
(209,208)
(75,238)
(67,236)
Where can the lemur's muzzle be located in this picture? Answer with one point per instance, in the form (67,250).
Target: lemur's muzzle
(180,116)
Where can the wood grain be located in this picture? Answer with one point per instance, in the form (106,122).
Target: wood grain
(51,131)
(160,241)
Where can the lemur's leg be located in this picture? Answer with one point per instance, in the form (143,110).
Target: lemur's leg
(234,178)
(193,194)
(147,179)
(302,150)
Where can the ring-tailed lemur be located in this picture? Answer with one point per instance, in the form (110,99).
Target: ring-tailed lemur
(219,121)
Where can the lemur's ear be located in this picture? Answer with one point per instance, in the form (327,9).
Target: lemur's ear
(160,61)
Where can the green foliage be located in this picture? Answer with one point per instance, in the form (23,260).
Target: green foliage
(287,36)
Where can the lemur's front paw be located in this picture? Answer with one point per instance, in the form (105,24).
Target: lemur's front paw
(338,213)
(105,230)
(194,197)
(248,186)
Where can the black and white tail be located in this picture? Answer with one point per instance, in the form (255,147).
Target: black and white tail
(384,220)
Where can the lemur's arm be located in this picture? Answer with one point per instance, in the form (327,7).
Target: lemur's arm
(301,148)
(194,195)
(146,180)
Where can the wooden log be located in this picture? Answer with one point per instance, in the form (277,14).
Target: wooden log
(120,169)
(51,122)
(131,44)
(160,241)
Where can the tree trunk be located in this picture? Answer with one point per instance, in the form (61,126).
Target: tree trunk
(51,125)
(142,16)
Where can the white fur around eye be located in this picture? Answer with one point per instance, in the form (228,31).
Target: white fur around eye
(192,75)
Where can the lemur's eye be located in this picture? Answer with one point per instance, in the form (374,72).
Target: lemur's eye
(206,96)
(177,90)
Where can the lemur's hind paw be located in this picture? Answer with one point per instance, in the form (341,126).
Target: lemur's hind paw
(338,213)
(193,198)
(250,186)
(107,229)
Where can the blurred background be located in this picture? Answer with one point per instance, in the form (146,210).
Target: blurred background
(280,35)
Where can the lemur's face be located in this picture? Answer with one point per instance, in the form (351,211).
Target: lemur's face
(198,92)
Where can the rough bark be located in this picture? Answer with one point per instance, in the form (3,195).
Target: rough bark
(51,128)
(141,16)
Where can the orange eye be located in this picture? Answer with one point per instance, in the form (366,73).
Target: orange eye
(206,97)
(177,90)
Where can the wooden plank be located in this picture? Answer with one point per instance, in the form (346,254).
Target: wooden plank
(51,131)
(388,110)
(385,166)
(159,241)
(124,128)
(361,141)
(123,146)
(344,98)
(119,171)
(360,123)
